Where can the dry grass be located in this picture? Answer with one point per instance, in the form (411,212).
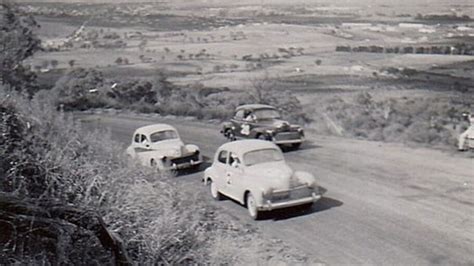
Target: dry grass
(48,156)
(435,121)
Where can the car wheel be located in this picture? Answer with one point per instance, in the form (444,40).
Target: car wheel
(230,134)
(216,195)
(252,207)
(153,163)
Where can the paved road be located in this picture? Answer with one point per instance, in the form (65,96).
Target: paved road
(386,204)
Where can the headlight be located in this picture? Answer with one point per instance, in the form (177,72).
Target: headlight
(301,131)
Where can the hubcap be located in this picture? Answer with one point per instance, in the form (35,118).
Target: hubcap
(214,190)
(251,206)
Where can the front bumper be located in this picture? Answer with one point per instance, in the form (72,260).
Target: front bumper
(287,137)
(268,205)
(288,141)
(179,163)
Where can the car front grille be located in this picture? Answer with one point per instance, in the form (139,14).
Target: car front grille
(186,159)
(287,136)
(291,194)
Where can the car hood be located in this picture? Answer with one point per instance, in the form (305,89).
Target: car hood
(170,148)
(274,123)
(277,175)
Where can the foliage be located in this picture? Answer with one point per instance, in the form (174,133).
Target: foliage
(18,42)
(435,121)
(82,89)
(45,155)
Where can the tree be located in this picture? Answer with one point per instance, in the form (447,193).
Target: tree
(18,41)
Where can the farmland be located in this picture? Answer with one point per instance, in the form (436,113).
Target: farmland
(319,52)
(379,88)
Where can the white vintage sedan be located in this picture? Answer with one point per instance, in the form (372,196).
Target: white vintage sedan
(160,146)
(254,173)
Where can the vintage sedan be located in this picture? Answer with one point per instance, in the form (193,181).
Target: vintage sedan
(160,146)
(260,121)
(254,173)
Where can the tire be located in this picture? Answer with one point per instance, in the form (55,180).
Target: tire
(252,207)
(229,134)
(153,163)
(215,194)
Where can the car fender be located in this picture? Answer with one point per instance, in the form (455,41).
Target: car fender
(259,130)
(210,172)
(225,126)
(130,152)
(257,194)
(147,156)
(306,178)
(191,147)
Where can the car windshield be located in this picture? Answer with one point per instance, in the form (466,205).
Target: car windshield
(163,135)
(262,156)
(267,114)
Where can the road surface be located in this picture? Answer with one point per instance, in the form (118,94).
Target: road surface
(386,204)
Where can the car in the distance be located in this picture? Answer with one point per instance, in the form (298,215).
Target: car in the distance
(260,121)
(161,147)
(255,174)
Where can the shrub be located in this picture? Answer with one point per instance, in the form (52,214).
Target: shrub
(421,120)
(81,89)
(46,157)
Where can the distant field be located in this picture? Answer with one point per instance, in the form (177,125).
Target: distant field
(230,45)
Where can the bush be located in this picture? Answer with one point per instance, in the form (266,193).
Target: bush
(82,89)
(50,164)
(421,120)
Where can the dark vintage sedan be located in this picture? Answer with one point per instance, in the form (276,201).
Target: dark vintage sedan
(259,121)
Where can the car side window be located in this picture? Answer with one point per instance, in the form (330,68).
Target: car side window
(137,138)
(222,157)
(143,139)
(239,115)
(233,160)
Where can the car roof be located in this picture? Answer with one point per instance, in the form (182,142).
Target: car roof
(147,130)
(254,106)
(243,146)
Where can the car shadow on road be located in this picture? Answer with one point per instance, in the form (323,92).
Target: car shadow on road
(305,146)
(324,204)
(193,170)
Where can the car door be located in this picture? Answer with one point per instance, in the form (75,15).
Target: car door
(233,176)
(141,146)
(220,165)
